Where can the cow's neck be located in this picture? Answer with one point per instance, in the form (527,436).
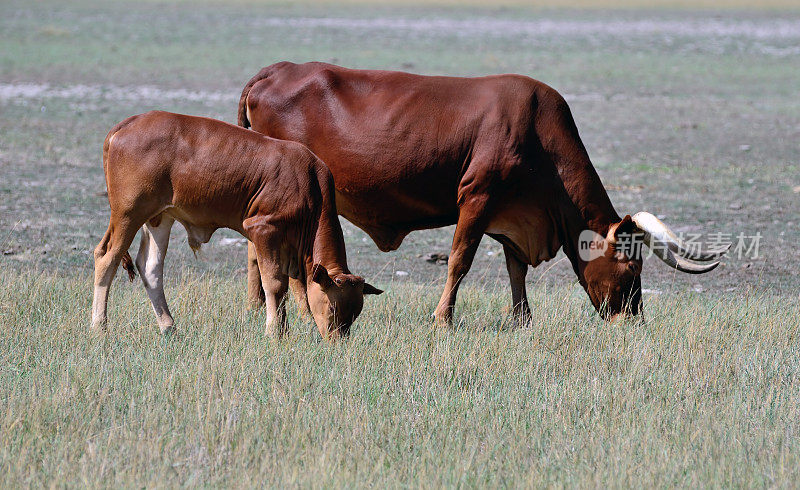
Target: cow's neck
(571,227)
(586,206)
(587,193)
(560,140)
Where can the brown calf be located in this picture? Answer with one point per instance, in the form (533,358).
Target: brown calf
(206,174)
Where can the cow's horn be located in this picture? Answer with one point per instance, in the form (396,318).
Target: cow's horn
(659,237)
(680,263)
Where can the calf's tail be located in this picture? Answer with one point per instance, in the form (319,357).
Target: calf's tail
(126,261)
(127,264)
(105,244)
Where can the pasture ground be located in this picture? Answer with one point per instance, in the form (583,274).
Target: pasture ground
(693,115)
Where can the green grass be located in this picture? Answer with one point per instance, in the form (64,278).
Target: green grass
(706,393)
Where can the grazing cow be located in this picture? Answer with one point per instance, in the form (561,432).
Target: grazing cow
(207,174)
(497,155)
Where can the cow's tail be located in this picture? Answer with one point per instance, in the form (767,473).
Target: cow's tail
(243,120)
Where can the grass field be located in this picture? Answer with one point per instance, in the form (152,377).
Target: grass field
(690,114)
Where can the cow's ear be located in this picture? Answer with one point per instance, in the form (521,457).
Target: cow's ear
(319,274)
(624,227)
(370,289)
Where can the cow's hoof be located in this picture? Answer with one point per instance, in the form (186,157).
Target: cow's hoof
(521,319)
(442,320)
(167,330)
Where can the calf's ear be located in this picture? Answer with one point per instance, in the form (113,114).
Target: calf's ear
(319,274)
(370,289)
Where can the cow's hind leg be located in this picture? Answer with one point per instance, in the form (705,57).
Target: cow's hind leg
(150,262)
(255,293)
(517,270)
(469,231)
(107,256)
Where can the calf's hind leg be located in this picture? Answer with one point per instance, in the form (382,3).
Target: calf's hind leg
(107,257)
(150,262)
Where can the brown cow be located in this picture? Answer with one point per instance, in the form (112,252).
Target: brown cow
(207,174)
(497,155)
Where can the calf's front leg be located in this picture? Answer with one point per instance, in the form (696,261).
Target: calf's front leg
(255,293)
(298,288)
(267,241)
(275,285)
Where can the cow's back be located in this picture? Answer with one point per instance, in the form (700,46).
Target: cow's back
(398,144)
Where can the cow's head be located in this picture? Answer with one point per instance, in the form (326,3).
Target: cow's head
(612,275)
(336,301)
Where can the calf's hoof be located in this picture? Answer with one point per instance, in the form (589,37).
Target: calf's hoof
(254,304)
(521,318)
(333,335)
(99,327)
(167,330)
(275,333)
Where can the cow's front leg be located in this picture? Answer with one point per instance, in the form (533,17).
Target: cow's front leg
(469,231)
(517,270)
(255,293)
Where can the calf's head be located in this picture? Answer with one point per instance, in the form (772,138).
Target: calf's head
(336,300)
(612,271)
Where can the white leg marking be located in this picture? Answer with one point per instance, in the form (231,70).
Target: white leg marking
(150,262)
